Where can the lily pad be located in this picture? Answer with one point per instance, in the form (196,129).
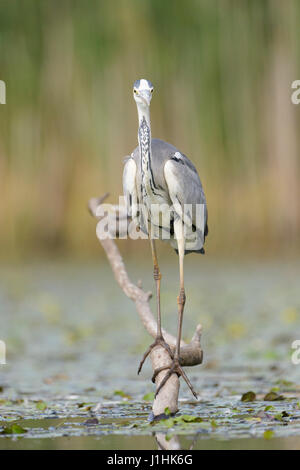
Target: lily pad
(149,396)
(122,394)
(248,396)
(273,396)
(41,405)
(14,429)
(268,434)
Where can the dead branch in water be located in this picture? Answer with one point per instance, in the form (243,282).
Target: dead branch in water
(190,354)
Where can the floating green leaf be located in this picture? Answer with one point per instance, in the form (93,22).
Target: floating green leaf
(248,396)
(268,434)
(280,416)
(269,408)
(149,396)
(181,420)
(41,405)
(14,429)
(5,402)
(189,419)
(122,394)
(273,396)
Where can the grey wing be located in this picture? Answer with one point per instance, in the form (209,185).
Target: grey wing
(129,186)
(188,199)
(134,209)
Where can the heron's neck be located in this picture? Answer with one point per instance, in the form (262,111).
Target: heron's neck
(144,134)
(149,187)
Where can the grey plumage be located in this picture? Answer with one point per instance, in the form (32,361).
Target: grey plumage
(190,190)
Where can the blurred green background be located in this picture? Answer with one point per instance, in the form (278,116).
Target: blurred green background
(222,72)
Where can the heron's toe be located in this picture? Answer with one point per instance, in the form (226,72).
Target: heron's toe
(159,341)
(174,368)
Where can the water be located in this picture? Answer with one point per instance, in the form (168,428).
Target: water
(74,342)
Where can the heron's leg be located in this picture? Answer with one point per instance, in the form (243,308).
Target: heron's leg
(157,279)
(159,340)
(176,367)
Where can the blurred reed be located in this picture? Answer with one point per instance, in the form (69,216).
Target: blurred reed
(222,72)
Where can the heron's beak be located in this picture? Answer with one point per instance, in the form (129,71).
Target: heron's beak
(145,96)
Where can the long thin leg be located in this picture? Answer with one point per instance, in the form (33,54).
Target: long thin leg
(176,368)
(157,278)
(159,336)
(181,297)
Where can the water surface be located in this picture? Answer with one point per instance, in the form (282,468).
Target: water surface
(74,342)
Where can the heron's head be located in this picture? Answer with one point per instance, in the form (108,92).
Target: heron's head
(142,92)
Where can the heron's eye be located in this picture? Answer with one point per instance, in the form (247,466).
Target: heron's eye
(151,90)
(134,91)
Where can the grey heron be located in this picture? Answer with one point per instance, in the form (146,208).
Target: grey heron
(157,174)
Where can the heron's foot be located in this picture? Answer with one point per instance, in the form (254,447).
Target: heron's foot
(159,341)
(174,368)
